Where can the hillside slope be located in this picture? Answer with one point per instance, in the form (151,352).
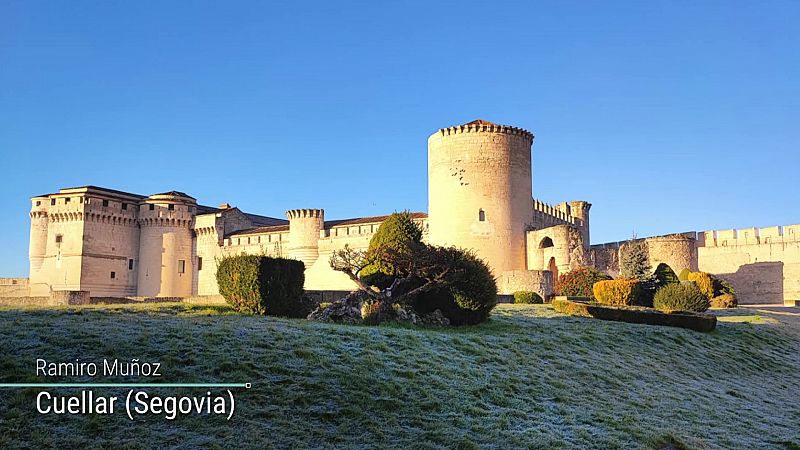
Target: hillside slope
(530,378)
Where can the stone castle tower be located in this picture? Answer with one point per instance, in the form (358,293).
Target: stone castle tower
(304,228)
(165,248)
(480,191)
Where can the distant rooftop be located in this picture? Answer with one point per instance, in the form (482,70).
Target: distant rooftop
(327,224)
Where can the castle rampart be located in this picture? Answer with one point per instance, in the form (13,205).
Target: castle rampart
(113,243)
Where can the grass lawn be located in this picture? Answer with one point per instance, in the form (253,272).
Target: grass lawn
(529,378)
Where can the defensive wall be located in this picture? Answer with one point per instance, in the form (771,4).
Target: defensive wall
(762,264)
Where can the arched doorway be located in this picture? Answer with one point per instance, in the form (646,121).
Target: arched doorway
(552,267)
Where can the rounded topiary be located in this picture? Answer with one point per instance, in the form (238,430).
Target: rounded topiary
(665,275)
(580,282)
(684,275)
(397,233)
(262,285)
(680,297)
(527,297)
(470,295)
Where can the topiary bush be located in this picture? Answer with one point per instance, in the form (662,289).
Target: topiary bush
(617,292)
(262,285)
(397,233)
(665,275)
(684,275)
(704,281)
(724,301)
(527,297)
(580,282)
(470,293)
(681,297)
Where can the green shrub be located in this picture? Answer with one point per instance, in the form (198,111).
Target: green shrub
(262,285)
(471,295)
(617,292)
(681,297)
(704,281)
(527,297)
(665,275)
(398,233)
(724,301)
(579,282)
(684,275)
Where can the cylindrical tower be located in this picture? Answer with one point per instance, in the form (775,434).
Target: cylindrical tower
(479,191)
(304,228)
(580,211)
(37,247)
(165,245)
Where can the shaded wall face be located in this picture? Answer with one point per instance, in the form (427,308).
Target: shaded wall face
(479,195)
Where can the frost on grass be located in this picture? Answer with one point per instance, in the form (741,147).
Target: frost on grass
(528,378)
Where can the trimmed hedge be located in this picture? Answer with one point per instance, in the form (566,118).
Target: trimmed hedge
(262,285)
(579,282)
(681,297)
(616,292)
(684,275)
(527,297)
(692,321)
(704,281)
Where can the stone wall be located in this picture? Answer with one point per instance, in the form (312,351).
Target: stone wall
(762,264)
(14,287)
(539,281)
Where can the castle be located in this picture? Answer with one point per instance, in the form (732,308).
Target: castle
(118,244)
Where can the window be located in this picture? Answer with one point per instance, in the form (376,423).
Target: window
(124,206)
(66,200)
(481,215)
(199,263)
(52,201)
(38,203)
(130,264)
(113,275)
(152,206)
(171,207)
(59,238)
(80,199)
(105,202)
(181,266)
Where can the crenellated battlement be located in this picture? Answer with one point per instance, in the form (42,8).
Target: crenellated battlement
(305,213)
(546,215)
(164,222)
(748,236)
(482,126)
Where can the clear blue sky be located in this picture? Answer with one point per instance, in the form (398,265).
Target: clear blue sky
(667,116)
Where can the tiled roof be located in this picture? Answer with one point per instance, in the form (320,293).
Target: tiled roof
(328,224)
(176,194)
(372,219)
